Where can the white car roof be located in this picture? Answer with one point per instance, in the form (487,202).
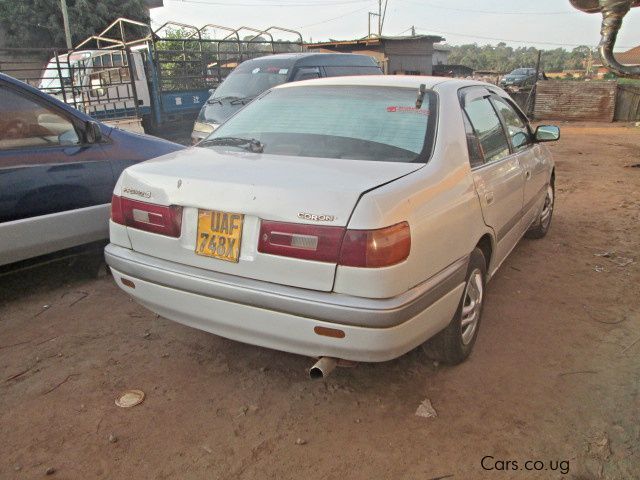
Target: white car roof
(406,81)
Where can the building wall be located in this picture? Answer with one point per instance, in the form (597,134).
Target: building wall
(564,100)
(377,55)
(440,57)
(395,57)
(409,57)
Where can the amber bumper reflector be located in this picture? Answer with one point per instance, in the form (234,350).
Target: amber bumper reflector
(329,332)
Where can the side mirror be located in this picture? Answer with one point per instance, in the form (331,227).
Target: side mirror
(547,133)
(92,132)
(212,91)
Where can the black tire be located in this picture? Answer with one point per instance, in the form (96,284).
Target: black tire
(454,344)
(541,226)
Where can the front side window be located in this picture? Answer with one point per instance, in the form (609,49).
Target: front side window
(348,122)
(26,123)
(488,128)
(518,131)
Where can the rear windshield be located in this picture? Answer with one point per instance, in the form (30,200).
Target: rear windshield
(348,122)
(250,80)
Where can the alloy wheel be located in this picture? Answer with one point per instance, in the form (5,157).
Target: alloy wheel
(471,307)
(547,209)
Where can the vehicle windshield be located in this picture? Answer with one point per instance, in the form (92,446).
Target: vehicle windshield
(251,80)
(344,122)
(51,78)
(521,71)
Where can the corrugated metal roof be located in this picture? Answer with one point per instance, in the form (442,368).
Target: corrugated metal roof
(375,40)
(630,57)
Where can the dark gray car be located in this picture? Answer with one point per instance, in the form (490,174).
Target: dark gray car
(520,77)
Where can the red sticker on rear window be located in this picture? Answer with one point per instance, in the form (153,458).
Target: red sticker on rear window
(397,108)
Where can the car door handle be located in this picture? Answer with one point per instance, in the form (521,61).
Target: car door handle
(527,174)
(488,197)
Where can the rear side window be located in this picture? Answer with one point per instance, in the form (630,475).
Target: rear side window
(26,123)
(307,73)
(488,129)
(344,71)
(476,157)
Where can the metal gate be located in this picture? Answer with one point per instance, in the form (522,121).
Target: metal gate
(628,104)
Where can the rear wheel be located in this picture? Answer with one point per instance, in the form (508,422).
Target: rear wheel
(540,228)
(454,344)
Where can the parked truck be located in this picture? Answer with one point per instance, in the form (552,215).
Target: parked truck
(155,80)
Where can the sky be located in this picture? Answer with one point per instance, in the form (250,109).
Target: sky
(541,23)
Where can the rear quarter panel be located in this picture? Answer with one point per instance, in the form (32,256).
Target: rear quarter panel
(441,205)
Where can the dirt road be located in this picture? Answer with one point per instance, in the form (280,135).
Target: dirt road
(555,376)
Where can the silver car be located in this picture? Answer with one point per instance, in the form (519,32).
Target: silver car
(350,218)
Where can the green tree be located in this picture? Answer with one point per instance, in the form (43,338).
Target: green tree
(182,58)
(503,58)
(38,23)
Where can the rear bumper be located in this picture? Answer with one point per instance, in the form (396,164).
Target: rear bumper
(285,318)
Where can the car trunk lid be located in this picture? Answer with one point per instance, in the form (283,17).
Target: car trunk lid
(258,187)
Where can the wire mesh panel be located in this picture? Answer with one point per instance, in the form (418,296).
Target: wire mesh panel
(97,82)
(181,64)
(189,58)
(106,85)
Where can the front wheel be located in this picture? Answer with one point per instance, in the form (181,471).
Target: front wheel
(454,344)
(540,228)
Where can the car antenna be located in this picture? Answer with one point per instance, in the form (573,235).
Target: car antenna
(421,93)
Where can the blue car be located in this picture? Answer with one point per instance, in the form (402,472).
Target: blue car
(58,168)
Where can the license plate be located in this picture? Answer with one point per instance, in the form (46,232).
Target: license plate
(219,235)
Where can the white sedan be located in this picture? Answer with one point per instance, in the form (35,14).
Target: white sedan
(350,218)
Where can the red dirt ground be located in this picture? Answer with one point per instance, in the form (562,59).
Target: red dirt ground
(555,375)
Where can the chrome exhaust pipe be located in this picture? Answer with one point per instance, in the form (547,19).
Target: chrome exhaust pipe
(322,368)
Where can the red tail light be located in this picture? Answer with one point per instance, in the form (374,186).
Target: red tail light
(376,248)
(353,248)
(308,242)
(149,217)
